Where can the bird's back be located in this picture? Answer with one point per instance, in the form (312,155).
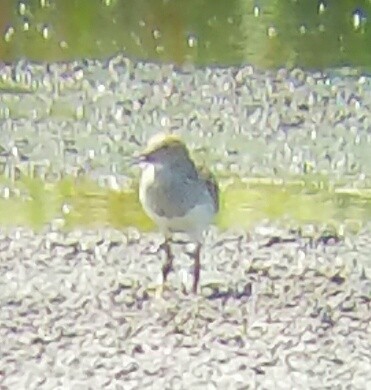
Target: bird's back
(211,184)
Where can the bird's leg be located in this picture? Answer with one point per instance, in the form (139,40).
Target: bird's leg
(197,266)
(168,265)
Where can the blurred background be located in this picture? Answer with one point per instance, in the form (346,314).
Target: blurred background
(59,119)
(266,33)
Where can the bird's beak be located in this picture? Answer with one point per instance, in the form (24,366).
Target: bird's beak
(139,159)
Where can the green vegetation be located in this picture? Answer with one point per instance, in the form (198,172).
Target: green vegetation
(81,202)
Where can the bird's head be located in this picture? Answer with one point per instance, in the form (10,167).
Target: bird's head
(165,149)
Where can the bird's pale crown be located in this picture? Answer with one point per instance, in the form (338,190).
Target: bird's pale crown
(163,141)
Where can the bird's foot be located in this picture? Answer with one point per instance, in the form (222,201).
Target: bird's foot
(160,290)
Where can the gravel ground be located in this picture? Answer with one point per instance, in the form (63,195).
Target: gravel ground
(81,309)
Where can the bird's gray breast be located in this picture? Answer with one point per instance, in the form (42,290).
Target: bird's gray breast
(174,194)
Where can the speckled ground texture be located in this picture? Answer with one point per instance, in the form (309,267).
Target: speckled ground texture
(81,310)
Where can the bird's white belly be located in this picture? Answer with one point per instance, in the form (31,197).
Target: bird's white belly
(193,223)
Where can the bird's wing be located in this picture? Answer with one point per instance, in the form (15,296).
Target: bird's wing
(211,184)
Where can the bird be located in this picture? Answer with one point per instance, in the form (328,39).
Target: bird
(178,195)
